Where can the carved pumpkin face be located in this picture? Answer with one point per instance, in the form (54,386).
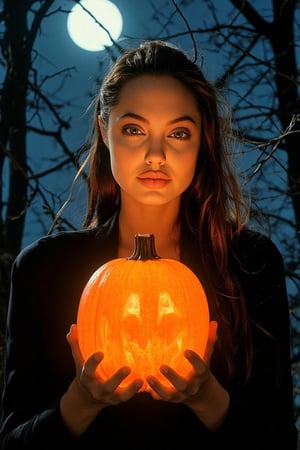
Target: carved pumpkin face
(143,313)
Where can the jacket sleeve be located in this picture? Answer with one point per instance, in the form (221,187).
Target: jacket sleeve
(261,413)
(27,388)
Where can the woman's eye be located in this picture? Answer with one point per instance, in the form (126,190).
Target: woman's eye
(180,134)
(131,131)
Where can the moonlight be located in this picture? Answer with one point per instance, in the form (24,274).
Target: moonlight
(94,24)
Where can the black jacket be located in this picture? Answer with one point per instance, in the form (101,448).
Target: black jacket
(47,281)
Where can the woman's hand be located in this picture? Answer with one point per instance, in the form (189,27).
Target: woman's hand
(201,391)
(88,394)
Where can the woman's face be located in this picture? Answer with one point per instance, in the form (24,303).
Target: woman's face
(153,136)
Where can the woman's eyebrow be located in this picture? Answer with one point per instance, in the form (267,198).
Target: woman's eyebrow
(184,118)
(131,115)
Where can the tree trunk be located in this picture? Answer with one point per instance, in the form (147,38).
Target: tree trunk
(282,41)
(13,130)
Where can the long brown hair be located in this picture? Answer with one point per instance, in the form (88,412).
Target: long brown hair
(212,207)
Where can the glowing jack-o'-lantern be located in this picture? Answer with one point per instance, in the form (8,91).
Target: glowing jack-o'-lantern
(143,311)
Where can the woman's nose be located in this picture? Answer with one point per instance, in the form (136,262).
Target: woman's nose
(155,155)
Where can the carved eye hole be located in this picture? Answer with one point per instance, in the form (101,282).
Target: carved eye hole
(165,306)
(169,320)
(131,317)
(132,306)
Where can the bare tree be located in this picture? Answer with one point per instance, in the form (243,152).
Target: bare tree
(261,55)
(21,97)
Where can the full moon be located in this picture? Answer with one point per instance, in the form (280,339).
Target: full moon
(94,24)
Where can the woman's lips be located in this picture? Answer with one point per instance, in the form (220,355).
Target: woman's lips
(154,180)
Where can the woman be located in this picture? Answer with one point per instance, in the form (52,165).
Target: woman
(158,164)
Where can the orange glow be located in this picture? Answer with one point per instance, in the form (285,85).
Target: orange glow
(143,313)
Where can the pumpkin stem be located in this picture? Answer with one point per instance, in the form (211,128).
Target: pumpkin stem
(144,247)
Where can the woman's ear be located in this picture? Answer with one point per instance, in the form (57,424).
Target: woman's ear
(103,130)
